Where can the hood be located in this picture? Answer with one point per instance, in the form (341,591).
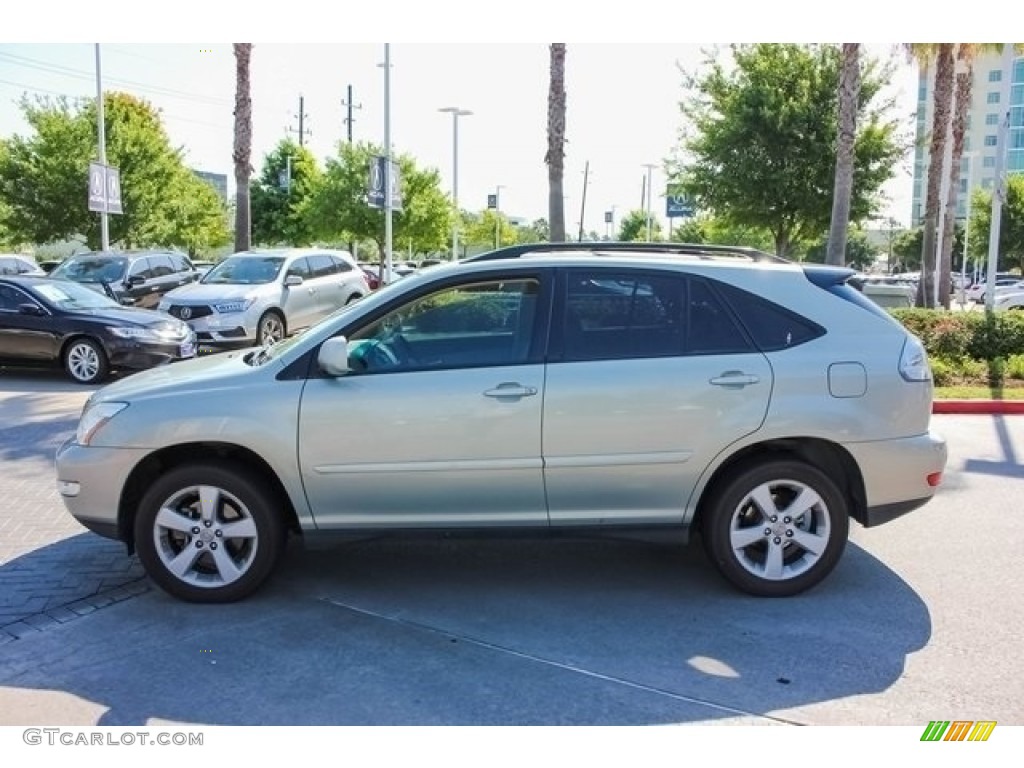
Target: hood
(182,378)
(202,293)
(144,318)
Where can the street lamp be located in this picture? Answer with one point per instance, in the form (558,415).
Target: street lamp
(456,113)
(649,167)
(971,156)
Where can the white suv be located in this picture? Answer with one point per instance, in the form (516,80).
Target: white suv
(256,297)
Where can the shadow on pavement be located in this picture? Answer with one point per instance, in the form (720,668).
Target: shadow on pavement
(484,632)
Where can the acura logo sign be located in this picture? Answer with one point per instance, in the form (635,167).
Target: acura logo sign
(186,313)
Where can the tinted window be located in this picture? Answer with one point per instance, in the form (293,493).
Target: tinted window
(711,328)
(481,324)
(8,267)
(301,268)
(180,263)
(770,326)
(340,265)
(161,265)
(141,268)
(321,265)
(11,298)
(92,269)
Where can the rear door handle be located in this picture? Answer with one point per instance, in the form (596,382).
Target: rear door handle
(510,389)
(736,379)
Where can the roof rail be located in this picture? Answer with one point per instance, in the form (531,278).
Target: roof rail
(698,250)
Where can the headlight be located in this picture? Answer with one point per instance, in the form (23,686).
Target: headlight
(233,306)
(156,333)
(143,334)
(93,418)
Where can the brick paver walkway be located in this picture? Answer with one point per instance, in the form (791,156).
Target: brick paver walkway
(51,569)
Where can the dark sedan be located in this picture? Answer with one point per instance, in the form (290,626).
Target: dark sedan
(45,321)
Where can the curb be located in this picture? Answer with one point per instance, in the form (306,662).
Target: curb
(978,406)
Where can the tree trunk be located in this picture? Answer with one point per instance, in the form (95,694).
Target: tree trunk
(944,75)
(555,157)
(242,155)
(963,103)
(849,93)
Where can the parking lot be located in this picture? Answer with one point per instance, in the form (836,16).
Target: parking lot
(919,622)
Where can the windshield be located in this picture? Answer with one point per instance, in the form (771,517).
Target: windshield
(66,295)
(245,270)
(92,269)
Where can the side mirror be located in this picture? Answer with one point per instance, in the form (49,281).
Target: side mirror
(127,301)
(30,309)
(333,356)
(293,280)
(135,280)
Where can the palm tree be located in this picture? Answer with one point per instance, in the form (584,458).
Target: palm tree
(942,53)
(555,157)
(242,154)
(849,93)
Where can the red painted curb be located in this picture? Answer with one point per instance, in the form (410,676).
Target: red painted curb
(978,406)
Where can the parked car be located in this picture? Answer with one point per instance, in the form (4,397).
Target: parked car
(44,321)
(16,264)
(976,292)
(663,390)
(260,297)
(133,278)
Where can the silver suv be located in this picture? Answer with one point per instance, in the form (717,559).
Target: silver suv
(605,390)
(256,297)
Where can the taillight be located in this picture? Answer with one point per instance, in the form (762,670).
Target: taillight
(914,361)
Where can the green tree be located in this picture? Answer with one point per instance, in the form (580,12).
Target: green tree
(1011,229)
(906,250)
(633,228)
(480,229)
(277,198)
(43,176)
(712,230)
(860,254)
(536,231)
(758,147)
(337,208)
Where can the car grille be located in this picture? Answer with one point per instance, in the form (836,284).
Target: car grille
(188,312)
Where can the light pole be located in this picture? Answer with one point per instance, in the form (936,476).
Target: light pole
(650,167)
(971,156)
(497,214)
(104,221)
(456,113)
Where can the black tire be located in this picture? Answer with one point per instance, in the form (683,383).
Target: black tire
(224,568)
(787,553)
(270,320)
(85,361)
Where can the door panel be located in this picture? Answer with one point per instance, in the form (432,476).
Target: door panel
(424,448)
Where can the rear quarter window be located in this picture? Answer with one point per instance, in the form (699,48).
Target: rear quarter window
(771,326)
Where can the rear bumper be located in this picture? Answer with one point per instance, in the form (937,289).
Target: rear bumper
(896,474)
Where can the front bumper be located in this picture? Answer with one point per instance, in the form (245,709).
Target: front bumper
(229,328)
(90,481)
(897,472)
(130,353)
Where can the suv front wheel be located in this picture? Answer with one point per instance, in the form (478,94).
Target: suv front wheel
(209,533)
(776,529)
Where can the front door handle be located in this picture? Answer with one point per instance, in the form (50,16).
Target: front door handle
(511,389)
(737,379)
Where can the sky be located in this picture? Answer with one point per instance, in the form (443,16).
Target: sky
(623,97)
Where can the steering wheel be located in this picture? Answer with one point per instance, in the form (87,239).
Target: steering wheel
(401,350)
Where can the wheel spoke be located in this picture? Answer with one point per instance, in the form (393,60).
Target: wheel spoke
(240,529)
(773,561)
(174,520)
(762,497)
(812,542)
(209,501)
(803,503)
(182,563)
(225,565)
(743,537)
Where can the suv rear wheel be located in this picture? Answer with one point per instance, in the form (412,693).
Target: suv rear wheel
(776,529)
(209,533)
